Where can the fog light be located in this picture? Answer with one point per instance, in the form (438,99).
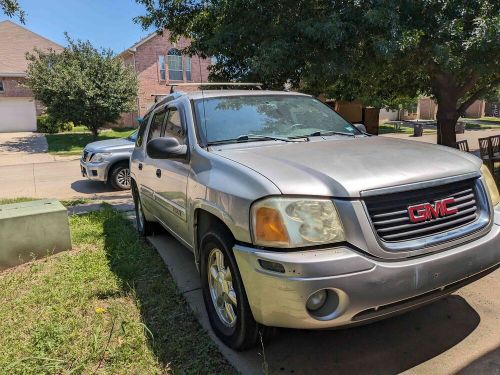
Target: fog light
(317,300)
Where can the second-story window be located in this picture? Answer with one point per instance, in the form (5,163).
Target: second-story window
(188,68)
(161,67)
(175,72)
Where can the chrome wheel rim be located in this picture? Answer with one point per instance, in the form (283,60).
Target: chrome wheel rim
(140,216)
(220,283)
(123,178)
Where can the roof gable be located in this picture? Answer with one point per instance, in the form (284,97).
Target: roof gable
(15,41)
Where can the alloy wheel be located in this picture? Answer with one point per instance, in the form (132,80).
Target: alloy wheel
(220,283)
(123,178)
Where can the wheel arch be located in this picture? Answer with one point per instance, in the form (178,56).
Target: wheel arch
(113,165)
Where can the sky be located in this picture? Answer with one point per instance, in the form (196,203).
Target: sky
(105,23)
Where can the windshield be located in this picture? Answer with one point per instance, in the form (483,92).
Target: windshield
(284,116)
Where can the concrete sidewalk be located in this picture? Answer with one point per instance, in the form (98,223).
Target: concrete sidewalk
(457,334)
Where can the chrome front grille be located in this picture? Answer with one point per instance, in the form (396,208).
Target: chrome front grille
(390,215)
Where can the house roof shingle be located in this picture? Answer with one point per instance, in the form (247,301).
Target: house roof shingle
(15,41)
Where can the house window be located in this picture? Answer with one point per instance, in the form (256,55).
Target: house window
(1,86)
(161,67)
(175,65)
(188,68)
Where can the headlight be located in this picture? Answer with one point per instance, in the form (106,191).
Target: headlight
(490,185)
(295,222)
(100,156)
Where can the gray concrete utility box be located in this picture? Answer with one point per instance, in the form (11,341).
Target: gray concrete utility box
(32,230)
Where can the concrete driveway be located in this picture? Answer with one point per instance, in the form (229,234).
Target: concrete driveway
(458,334)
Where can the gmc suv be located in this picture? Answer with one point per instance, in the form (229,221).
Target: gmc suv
(298,219)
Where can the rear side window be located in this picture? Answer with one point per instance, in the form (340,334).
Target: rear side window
(156,125)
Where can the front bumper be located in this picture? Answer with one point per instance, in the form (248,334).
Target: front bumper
(367,288)
(94,171)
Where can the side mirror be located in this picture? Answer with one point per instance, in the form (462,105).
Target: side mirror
(166,148)
(360,127)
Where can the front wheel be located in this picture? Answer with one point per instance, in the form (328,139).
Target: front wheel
(119,177)
(224,294)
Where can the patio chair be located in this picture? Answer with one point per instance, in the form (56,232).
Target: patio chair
(485,152)
(495,145)
(463,146)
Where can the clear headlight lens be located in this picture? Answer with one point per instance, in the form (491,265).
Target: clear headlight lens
(100,156)
(490,185)
(295,222)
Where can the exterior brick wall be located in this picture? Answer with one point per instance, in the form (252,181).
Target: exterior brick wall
(145,63)
(13,87)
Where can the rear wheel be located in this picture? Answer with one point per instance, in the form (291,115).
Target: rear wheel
(119,176)
(224,294)
(144,227)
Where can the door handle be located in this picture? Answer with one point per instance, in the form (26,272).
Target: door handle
(158,173)
(140,166)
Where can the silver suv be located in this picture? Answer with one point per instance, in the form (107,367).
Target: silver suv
(298,219)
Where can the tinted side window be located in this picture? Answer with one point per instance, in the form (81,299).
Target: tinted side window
(142,129)
(156,125)
(174,127)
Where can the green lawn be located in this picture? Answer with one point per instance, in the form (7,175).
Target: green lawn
(109,306)
(389,128)
(72,143)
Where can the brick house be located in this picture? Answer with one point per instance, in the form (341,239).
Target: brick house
(158,62)
(18,108)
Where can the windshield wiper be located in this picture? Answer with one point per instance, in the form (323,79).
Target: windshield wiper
(252,137)
(330,132)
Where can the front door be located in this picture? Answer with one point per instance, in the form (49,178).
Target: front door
(172,178)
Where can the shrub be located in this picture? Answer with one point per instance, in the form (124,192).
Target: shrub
(47,124)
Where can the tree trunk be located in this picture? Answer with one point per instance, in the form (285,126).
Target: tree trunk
(447,116)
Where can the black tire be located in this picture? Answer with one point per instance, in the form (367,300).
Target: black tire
(245,333)
(119,176)
(144,227)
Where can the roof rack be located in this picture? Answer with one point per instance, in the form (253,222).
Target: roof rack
(203,84)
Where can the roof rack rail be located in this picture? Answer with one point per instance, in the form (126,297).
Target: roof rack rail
(204,84)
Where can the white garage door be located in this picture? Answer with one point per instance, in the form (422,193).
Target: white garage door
(17,115)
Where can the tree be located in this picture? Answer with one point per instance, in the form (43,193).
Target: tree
(372,50)
(11,8)
(82,84)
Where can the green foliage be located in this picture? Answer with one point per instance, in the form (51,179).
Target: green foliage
(48,124)
(82,84)
(109,306)
(12,8)
(374,51)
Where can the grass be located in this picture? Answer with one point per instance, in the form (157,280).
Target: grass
(66,203)
(72,143)
(389,129)
(470,126)
(109,306)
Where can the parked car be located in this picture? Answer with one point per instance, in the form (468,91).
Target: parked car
(298,219)
(108,161)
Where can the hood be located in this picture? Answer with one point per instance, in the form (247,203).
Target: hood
(345,167)
(110,145)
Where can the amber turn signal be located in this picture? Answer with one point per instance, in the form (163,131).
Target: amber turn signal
(269,226)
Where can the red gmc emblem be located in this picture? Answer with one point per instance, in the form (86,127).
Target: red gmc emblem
(428,211)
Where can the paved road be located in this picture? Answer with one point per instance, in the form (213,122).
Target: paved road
(28,170)
(458,334)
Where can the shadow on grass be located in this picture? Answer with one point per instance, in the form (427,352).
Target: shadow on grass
(174,334)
